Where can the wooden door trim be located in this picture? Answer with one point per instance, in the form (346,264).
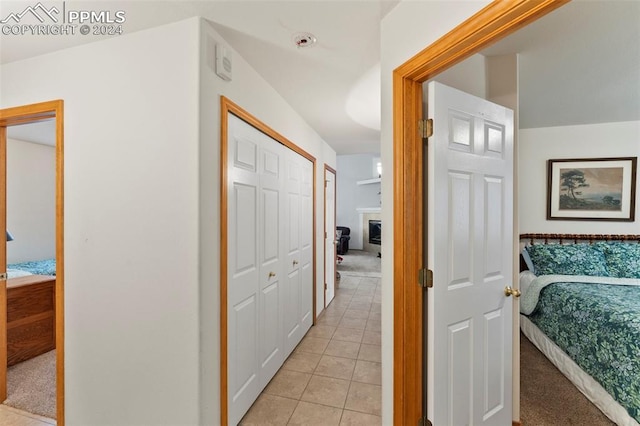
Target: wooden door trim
(328,168)
(495,21)
(31,114)
(3,265)
(228,107)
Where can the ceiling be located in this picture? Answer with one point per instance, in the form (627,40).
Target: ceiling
(578,65)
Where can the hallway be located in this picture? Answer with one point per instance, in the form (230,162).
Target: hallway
(333,377)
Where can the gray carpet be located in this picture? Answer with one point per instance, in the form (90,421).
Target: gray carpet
(31,385)
(547,397)
(358,262)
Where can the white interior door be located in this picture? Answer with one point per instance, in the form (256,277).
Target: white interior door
(329,236)
(470,213)
(255,216)
(298,305)
(293,279)
(306,243)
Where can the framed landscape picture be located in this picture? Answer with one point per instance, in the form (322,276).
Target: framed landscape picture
(592,189)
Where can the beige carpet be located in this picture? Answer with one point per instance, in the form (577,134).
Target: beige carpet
(547,397)
(31,385)
(360,262)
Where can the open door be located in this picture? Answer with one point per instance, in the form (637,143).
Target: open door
(329,234)
(469,250)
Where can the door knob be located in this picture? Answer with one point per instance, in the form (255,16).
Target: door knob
(272,274)
(295,262)
(508,291)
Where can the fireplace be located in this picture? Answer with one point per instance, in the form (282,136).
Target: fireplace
(375,232)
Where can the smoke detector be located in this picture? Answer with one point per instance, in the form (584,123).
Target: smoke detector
(304,39)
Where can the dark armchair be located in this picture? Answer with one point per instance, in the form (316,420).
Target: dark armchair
(343,241)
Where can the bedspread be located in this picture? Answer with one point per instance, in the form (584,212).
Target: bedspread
(39,267)
(598,326)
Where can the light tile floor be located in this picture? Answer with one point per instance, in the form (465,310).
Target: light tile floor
(10,416)
(333,377)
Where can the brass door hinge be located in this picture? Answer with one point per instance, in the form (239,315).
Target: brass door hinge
(325,286)
(425,278)
(425,128)
(3,277)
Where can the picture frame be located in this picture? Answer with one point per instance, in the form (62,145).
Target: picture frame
(594,189)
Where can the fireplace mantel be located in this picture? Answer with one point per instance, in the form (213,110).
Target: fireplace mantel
(368,210)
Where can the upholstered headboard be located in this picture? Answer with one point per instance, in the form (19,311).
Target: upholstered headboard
(567,238)
(530,239)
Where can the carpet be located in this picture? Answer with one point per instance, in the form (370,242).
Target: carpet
(547,397)
(31,385)
(361,263)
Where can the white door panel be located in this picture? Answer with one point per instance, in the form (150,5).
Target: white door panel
(306,245)
(292,329)
(470,184)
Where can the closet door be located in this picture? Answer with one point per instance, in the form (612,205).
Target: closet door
(306,244)
(293,291)
(271,216)
(269,259)
(254,266)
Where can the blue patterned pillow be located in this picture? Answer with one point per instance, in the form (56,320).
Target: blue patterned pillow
(568,259)
(623,259)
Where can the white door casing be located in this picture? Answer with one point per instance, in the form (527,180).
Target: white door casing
(469,249)
(269,262)
(330,235)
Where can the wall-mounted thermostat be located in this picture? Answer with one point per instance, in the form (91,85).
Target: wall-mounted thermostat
(223,62)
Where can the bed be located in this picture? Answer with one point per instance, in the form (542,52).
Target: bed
(580,306)
(30,309)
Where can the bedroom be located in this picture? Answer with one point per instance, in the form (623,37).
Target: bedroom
(31,267)
(564,127)
(607,126)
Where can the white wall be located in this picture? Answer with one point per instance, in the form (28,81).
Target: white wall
(584,141)
(470,76)
(142,181)
(407,29)
(351,196)
(131,221)
(31,201)
(251,92)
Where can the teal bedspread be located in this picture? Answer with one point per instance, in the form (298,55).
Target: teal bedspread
(39,267)
(598,326)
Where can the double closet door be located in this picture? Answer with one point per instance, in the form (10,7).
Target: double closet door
(270,259)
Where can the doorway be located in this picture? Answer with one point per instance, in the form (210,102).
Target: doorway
(493,22)
(330,242)
(52,317)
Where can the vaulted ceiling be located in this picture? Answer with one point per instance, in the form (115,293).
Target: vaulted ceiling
(579,64)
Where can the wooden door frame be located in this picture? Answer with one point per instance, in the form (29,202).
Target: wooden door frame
(329,169)
(228,107)
(497,20)
(23,115)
